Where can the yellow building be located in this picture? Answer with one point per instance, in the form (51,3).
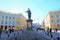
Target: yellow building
(52,20)
(23,22)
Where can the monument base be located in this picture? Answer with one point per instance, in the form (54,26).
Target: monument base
(29,24)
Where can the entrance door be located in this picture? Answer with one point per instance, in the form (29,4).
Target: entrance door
(2,27)
(5,27)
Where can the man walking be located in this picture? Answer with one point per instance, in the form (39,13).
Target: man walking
(0,32)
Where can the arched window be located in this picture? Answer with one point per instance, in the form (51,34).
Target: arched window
(5,27)
(1,26)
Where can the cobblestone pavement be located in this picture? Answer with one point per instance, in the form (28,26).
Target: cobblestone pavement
(25,35)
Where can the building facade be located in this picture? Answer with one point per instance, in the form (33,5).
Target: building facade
(9,20)
(43,25)
(52,20)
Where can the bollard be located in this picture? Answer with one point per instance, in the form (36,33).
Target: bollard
(57,38)
(15,38)
(51,36)
(8,36)
(14,34)
(35,38)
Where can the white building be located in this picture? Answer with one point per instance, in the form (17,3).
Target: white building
(52,20)
(9,20)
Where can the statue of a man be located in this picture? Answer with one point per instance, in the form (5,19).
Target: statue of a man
(29,13)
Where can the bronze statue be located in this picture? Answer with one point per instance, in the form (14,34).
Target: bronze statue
(29,13)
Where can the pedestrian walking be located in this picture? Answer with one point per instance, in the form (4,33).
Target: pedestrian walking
(51,33)
(10,30)
(48,31)
(6,31)
(13,30)
(0,32)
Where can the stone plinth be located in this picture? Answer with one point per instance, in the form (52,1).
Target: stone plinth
(29,24)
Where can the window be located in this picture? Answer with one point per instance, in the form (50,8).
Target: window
(10,22)
(5,22)
(5,27)
(1,26)
(12,26)
(52,26)
(13,17)
(17,17)
(9,26)
(58,25)
(57,15)
(52,21)
(51,15)
(6,17)
(17,22)
(9,17)
(2,17)
(57,20)
(13,21)
(2,22)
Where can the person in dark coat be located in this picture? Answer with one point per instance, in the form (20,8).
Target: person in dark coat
(0,32)
(7,31)
(12,30)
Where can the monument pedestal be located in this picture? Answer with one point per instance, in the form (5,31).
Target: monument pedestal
(29,24)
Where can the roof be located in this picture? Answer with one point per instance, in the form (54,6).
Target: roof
(3,12)
(53,12)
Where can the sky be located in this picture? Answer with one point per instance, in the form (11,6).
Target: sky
(39,8)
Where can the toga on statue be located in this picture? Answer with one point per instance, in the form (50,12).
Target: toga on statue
(29,13)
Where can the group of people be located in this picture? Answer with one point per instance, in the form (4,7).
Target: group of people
(6,31)
(9,30)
